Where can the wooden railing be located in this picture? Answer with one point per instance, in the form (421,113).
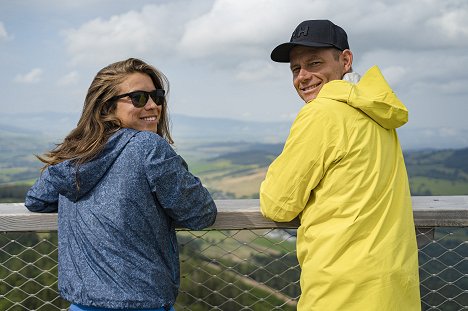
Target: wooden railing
(429,211)
(234,241)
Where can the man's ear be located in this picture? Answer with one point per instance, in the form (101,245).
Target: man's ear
(347,59)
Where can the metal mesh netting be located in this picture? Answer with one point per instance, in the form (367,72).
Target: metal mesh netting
(238,270)
(229,270)
(443,269)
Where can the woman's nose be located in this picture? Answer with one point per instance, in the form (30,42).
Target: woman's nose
(150,104)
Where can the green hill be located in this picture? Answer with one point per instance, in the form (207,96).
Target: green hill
(232,169)
(442,172)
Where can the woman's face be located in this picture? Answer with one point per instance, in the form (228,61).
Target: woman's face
(142,119)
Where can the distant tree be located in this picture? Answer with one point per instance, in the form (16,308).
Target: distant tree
(13,193)
(458,159)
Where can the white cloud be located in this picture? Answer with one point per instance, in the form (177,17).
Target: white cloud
(106,40)
(3,32)
(33,76)
(394,75)
(254,71)
(226,33)
(70,78)
(455,87)
(404,25)
(240,29)
(448,132)
(243,28)
(151,32)
(453,23)
(421,71)
(449,87)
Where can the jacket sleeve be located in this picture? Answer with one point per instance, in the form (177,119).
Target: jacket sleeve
(42,197)
(180,193)
(296,172)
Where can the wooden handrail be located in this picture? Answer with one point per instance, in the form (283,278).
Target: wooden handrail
(428,211)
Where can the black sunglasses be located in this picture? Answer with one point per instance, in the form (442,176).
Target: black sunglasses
(140,98)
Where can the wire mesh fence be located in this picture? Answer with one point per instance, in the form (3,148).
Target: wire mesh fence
(443,269)
(229,270)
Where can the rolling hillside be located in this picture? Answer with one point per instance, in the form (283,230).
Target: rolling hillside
(239,172)
(230,169)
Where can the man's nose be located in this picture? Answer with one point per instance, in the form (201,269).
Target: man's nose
(303,74)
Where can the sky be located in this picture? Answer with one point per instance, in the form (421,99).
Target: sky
(216,53)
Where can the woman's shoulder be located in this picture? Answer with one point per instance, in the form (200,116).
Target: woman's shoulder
(147,136)
(148,140)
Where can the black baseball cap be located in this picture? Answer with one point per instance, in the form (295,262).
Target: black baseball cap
(313,33)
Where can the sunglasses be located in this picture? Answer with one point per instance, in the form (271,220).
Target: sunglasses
(140,98)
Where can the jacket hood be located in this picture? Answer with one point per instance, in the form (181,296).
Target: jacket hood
(74,181)
(372,95)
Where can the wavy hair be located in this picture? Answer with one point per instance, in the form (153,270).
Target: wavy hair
(98,121)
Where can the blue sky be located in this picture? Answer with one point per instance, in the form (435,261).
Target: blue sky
(216,53)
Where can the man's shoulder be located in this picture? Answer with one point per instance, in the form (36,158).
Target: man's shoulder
(325,106)
(326,113)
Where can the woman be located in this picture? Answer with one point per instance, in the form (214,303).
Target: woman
(120,190)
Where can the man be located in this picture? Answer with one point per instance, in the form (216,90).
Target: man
(342,172)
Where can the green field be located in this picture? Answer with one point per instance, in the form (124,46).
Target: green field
(236,169)
(239,174)
(432,186)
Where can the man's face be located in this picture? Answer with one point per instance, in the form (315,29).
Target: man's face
(313,67)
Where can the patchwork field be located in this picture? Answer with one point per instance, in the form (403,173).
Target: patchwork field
(235,169)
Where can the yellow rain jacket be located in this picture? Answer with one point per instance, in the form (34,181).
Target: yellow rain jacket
(342,172)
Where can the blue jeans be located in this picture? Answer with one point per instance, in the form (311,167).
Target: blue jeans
(74,307)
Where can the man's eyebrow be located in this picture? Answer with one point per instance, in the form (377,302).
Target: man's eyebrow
(293,65)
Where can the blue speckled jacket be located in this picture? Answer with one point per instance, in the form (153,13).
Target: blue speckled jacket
(117,242)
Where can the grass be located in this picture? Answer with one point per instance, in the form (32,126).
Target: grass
(202,167)
(234,241)
(432,186)
(14,170)
(246,185)
(236,170)
(275,244)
